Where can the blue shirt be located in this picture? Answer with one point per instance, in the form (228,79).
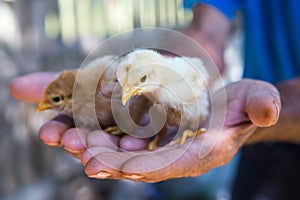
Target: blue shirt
(272,36)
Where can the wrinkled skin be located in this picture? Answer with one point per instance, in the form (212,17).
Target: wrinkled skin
(250,104)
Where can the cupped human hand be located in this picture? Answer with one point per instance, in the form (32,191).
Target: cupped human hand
(249,104)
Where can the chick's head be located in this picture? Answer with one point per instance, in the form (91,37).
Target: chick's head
(58,93)
(138,73)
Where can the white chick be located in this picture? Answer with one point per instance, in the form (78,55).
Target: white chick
(177,83)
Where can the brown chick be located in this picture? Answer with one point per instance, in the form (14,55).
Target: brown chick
(87,95)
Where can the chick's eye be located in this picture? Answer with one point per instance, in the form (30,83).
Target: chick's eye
(56,99)
(143,79)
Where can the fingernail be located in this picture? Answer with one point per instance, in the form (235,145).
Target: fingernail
(101,174)
(134,176)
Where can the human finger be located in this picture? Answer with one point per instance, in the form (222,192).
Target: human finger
(100,138)
(51,132)
(263,104)
(30,87)
(131,143)
(74,141)
(107,164)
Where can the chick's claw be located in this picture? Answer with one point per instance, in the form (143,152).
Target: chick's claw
(114,130)
(186,134)
(152,145)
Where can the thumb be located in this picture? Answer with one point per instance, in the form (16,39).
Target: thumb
(263,104)
(30,87)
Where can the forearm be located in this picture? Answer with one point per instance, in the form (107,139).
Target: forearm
(210,28)
(287,128)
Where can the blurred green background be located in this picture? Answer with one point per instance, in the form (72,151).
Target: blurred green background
(57,34)
(44,30)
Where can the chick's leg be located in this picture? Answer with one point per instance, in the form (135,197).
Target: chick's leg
(186,134)
(153,144)
(114,130)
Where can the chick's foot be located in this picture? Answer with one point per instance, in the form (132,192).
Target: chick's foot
(186,134)
(114,130)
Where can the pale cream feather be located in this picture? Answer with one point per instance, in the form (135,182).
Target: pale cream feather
(178,83)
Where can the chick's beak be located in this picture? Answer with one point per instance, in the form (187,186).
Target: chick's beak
(128,92)
(43,106)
